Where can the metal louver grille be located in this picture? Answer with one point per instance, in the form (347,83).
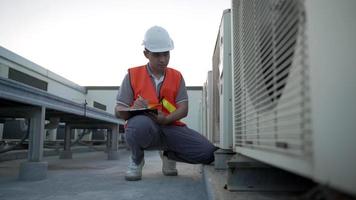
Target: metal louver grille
(236,64)
(271,86)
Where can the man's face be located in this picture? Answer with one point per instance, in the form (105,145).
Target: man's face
(158,61)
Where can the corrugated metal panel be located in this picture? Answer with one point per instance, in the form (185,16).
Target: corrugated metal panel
(271,86)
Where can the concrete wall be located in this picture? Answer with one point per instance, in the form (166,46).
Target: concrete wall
(103,95)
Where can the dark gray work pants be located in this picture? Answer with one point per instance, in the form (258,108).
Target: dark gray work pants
(179,143)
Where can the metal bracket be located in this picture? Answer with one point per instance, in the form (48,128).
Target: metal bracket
(221,157)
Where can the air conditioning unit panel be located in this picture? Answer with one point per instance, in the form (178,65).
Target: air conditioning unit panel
(332,46)
(209,106)
(222,102)
(295,87)
(204,111)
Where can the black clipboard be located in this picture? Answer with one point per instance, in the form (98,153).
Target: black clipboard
(140,111)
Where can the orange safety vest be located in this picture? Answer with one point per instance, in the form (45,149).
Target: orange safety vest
(142,85)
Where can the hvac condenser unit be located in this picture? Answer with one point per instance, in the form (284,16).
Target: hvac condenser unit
(204,111)
(209,106)
(222,81)
(294,68)
(215,106)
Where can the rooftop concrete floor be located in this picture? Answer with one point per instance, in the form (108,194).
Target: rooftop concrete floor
(90,176)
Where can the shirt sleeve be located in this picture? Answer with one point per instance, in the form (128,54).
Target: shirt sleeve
(182,92)
(125,94)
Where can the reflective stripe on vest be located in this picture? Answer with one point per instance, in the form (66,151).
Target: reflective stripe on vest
(167,105)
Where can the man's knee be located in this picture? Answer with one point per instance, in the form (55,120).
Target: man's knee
(138,130)
(139,122)
(137,125)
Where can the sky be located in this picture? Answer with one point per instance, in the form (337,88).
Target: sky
(94,42)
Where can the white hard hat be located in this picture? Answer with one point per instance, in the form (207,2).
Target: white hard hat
(157,40)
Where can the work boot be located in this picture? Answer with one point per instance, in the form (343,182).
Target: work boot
(168,166)
(134,171)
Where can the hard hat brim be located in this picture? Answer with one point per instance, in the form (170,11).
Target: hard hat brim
(159,50)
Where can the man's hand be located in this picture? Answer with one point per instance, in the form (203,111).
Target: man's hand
(121,114)
(160,118)
(178,114)
(140,103)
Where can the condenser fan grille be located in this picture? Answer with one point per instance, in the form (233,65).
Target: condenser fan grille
(270,30)
(270,78)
